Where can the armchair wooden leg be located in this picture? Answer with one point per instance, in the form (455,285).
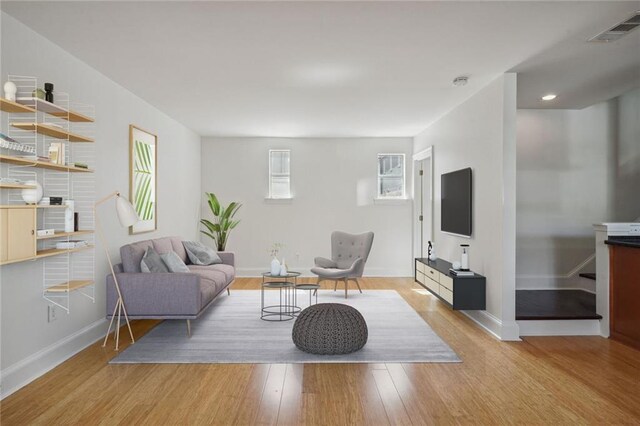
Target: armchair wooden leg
(189,328)
(346,287)
(228,291)
(358,284)
(335,285)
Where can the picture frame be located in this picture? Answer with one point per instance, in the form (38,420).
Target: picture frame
(143,178)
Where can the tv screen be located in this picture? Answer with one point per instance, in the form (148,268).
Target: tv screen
(455,207)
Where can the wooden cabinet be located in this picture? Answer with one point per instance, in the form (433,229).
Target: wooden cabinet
(18,229)
(624,287)
(464,293)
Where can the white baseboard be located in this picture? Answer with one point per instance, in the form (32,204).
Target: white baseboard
(560,328)
(306,272)
(27,370)
(495,327)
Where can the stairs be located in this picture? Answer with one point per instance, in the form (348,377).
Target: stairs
(589,275)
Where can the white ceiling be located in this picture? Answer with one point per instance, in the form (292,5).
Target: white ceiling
(332,68)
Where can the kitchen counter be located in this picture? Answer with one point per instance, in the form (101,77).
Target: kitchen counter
(624,241)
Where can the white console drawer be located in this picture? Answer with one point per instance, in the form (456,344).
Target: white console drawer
(432,273)
(446,281)
(420,266)
(420,277)
(446,294)
(432,285)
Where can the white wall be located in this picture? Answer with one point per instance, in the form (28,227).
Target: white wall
(575,168)
(28,341)
(333,183)
(480,133)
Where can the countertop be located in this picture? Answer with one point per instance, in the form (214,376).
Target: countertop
(624,241)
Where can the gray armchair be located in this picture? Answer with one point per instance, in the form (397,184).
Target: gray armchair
(349,254)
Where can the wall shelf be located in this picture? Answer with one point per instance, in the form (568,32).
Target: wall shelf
(37,124)
(53,131)
(10,106)
(40,254)
(15,186)
(42,164)
(69,286)
(62,234)
(38,104)
(32,206)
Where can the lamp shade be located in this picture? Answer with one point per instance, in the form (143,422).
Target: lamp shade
(126,213)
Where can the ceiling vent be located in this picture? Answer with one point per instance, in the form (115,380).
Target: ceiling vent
(619,31)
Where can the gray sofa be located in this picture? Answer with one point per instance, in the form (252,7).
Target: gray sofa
(167,295)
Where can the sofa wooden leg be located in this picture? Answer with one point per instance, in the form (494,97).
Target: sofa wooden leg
(189,328)
(228,291)
(346,287)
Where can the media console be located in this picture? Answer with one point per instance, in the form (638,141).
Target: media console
(460,293)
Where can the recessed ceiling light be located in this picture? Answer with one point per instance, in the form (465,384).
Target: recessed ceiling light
(549,97)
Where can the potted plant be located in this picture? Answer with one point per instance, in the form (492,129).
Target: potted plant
(223,222)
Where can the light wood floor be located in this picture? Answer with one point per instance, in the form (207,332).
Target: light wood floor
(556,380)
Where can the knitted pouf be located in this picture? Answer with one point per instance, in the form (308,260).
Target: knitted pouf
(330,329)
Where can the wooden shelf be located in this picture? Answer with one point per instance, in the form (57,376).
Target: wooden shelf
(69,286)
(10,106)
(15,186)
(55,252)
(38,104)
(62,234)
(42,164)
(32,206)
(53,131)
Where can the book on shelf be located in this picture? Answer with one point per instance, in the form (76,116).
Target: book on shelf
(71,244)
(57,153)
(7,142)
(459,273)
(81,165)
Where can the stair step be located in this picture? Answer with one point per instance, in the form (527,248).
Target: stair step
(589,275)
(555,305)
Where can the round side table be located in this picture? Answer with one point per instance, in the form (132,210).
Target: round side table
(287,308)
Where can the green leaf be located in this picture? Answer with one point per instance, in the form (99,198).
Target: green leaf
(219,229)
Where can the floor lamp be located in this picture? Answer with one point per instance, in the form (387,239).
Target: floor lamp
(127,217)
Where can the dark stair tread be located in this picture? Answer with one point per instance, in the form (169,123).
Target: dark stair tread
(589,275)
(555,305)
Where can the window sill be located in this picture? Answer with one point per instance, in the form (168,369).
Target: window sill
(391,201)
(269,200)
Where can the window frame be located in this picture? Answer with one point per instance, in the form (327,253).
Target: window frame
(271,174)
(380,196)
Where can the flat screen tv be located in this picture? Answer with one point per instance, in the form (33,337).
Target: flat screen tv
(456,207)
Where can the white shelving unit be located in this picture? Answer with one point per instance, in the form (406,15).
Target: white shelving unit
(38,123)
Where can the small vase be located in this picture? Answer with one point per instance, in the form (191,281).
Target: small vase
(283,269)
(275,267)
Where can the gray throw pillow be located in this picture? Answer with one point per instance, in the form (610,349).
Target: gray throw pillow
(152,262)
(173,262)
(199,254)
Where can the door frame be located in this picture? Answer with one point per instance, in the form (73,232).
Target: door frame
(426,154)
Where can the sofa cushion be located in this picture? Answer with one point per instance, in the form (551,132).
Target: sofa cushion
(152,262)
(173,262)
(216,279)
(199,254)
(228,270)
(131,254)
(208,291)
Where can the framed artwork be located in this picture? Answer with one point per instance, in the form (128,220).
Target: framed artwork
(143,178)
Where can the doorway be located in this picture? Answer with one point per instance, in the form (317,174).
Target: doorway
(422,201)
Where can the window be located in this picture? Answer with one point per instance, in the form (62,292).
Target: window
(279,173)
(391,176)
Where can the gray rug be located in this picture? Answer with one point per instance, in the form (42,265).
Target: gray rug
(231,331)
